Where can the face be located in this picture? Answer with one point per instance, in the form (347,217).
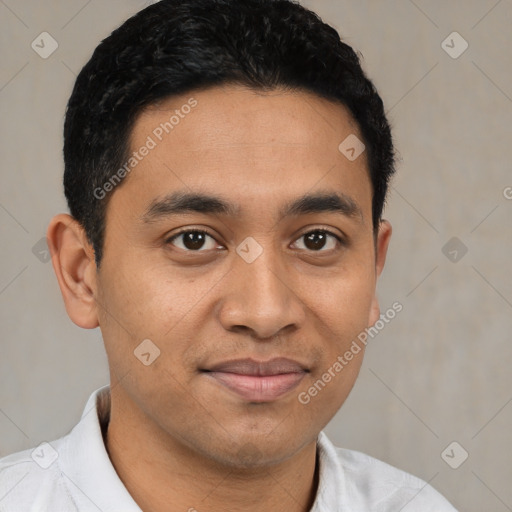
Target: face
(247,297)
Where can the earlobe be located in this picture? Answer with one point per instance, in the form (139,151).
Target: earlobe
(75,268)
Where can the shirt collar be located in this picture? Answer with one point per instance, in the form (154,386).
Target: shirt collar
(85,462)
(331,494)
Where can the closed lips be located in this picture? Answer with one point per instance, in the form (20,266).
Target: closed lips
(257,381)
(248,366)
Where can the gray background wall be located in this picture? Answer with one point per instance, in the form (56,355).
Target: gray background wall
(439,372)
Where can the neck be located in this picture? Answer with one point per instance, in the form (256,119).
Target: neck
(162,474)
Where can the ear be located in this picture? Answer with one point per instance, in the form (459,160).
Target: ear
(381,249)
(75,268)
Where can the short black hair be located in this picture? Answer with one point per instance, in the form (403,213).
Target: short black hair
(176,46)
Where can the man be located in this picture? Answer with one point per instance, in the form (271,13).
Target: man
(226,167)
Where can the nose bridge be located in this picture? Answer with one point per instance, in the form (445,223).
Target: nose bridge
(259,297)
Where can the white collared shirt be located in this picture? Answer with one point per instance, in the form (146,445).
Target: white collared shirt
(74,474)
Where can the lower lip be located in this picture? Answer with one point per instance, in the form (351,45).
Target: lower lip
(258,388)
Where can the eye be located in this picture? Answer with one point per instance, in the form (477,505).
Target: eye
(193,240)
(318,239)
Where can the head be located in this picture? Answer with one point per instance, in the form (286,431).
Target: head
(228,119)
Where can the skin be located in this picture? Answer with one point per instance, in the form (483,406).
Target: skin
(170,423)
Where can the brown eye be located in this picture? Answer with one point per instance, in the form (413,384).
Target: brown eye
(319,239)
(193,240)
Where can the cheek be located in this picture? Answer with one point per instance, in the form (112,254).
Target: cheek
(341,301)
(147,300)
(154,303)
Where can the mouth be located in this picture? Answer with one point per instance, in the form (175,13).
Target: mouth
(258,381)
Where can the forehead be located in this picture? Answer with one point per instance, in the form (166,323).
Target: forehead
(258,148)
(233,113)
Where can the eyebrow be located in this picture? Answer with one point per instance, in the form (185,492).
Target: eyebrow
(183,202)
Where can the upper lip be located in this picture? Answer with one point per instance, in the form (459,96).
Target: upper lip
(276,366)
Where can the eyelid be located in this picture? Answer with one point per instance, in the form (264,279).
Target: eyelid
(323,229)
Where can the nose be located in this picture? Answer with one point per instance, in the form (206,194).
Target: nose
(259,298)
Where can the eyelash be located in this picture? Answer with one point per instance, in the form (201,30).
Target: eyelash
(203,231)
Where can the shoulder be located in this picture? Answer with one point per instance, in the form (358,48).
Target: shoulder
(387,487)
(351,480)
(32,478)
